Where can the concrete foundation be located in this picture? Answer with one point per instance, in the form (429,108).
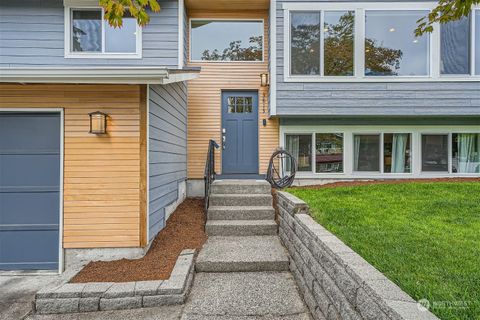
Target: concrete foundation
(195,188)
(182,194)
(75,258)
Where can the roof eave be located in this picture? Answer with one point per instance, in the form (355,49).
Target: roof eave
(96,75)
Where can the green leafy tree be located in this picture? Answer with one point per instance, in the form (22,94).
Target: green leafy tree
(235,51)
(115,10)
(445,11)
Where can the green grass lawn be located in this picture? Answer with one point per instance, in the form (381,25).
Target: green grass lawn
(425,237)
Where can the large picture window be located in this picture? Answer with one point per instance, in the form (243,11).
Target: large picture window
(455,47)
(90,35)
(322,43)
(391,48)
(226,40)
(376,41)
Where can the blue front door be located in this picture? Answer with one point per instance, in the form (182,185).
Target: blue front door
(239,132)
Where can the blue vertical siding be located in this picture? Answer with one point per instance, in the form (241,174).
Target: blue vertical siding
(167,149)
(369,99)
(32,34)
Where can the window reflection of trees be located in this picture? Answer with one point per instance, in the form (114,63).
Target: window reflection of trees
(338,50)
(236,52)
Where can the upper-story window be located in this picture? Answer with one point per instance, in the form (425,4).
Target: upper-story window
(317,50)
(376,42)
(226,40)
(90,36)
(391,48)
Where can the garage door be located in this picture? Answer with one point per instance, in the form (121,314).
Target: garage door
(29,191)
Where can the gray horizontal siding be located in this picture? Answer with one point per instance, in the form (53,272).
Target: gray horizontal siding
(370,99)
(32,34)
(167,149)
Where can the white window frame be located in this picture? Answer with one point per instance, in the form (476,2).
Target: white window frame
(349,131)
(71,5)
(359,9)
(264,36)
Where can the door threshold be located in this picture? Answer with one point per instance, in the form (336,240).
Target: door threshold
(244,176)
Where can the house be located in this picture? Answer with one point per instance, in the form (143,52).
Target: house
(344,86)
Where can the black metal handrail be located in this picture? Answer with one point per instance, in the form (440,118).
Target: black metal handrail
(209,176)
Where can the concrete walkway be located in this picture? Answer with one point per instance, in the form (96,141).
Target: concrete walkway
(243,269)
(17,293)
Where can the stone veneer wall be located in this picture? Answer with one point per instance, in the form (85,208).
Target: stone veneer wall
(335,281)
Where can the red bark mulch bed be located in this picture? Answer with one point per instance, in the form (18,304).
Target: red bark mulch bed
(184,230)
(353,183)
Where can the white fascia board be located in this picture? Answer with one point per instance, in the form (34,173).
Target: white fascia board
(180,77)
(103,75)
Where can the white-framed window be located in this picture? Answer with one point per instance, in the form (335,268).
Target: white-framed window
(226,40)
(387,152)
(343,42)
(89,35)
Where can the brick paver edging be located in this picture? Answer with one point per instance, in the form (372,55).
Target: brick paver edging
(335,281)
(100,296)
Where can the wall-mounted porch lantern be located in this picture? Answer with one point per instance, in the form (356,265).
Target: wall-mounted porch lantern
(98,122)
(264,80)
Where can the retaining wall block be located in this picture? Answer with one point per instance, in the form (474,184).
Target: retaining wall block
(69,290)
(120,303)
(162,300)
(120,290)
(51,306)
(368,308)
(323,301)
(89,304)
(147,288)
(96,289)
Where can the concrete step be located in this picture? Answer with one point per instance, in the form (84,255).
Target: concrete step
(243,200)
(242,254)
(233,228)
(241,187)
(241,213)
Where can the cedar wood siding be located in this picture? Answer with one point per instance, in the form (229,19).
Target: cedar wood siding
(369,99)
(102,174)
(32,34)
(168,149)
(204,100)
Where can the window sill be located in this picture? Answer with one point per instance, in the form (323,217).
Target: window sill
(314,79)
(221,62)
(104,56)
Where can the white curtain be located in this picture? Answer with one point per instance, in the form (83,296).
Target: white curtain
(357,140)
(399,152)
(468,152)
(293,146)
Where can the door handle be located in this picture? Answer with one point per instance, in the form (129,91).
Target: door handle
(224,138)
